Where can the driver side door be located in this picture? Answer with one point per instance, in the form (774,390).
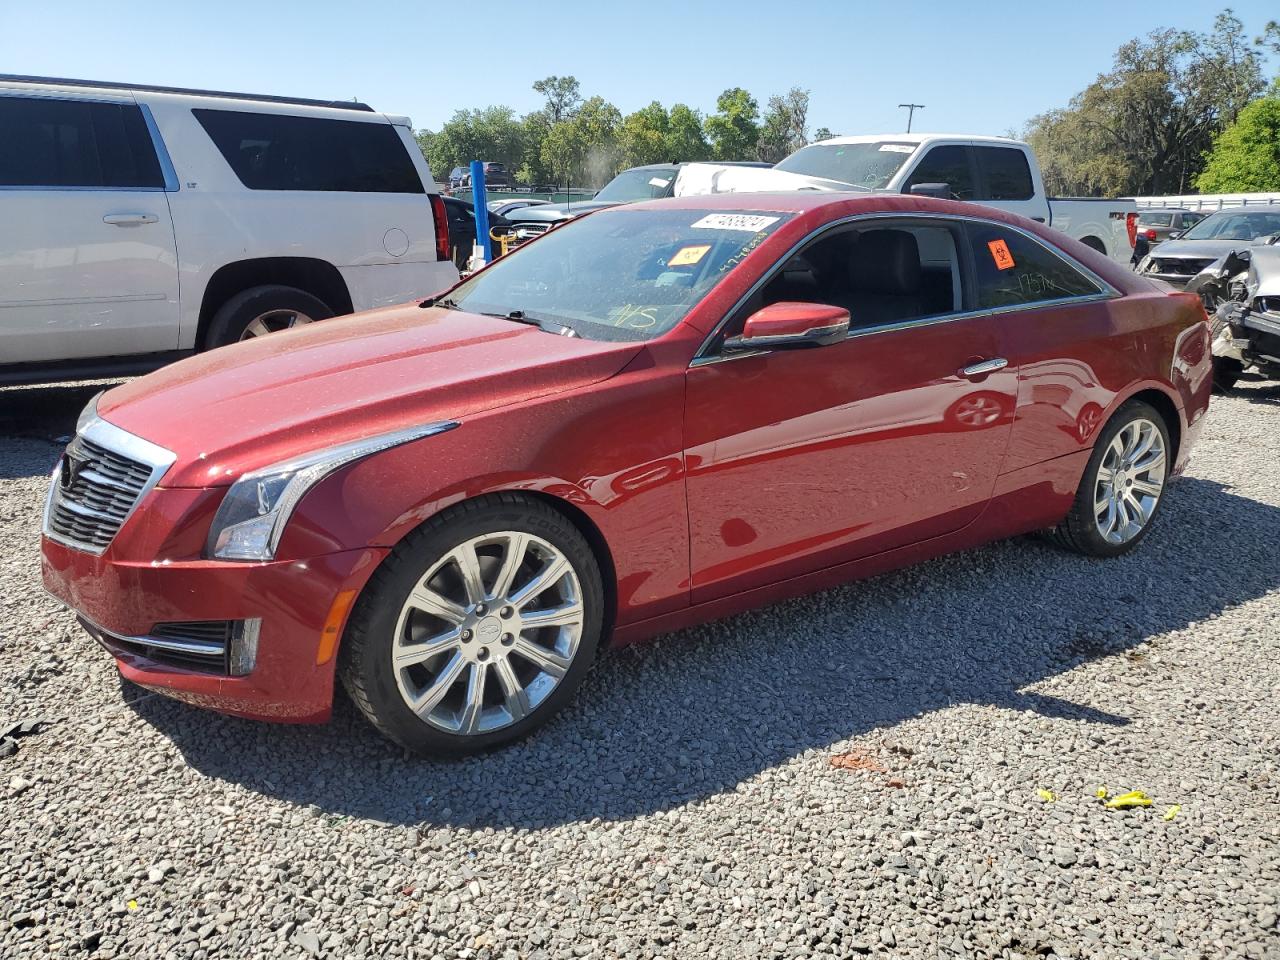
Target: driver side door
(801,459)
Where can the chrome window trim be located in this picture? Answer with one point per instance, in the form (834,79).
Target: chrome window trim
(167,170)
(1106,290)
(116,440)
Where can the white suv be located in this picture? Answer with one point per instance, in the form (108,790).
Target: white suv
(141,224)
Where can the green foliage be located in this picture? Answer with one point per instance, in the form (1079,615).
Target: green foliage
(645,134)
(823,133)
(1246,156)
(685,140)
(1143,127)
(784,128)
(733,129)
(585,148)
(563,97)
(491,133)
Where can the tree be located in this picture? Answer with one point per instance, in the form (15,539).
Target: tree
(823,133)
(491,133)
(784,128)
(645,135)
(685,139)
(732,129)
(1144,127)
(1246,156)
(563,96)
(584,149)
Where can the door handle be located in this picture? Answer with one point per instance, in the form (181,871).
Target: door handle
(1038,219)
(977,370)
(129,219)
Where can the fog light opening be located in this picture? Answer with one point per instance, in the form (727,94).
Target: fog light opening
(242,655)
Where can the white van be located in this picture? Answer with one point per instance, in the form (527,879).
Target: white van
(139,224)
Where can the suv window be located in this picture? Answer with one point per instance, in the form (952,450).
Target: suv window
(1006,172)
(1012,269)
(949,165)
(272,151)
(75,143)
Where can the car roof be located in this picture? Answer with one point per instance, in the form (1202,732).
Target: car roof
(1146,210)
(922,137)
(792,201)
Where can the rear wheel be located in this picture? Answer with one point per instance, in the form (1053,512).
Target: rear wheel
(1123,484)
(259,311)
(477,629)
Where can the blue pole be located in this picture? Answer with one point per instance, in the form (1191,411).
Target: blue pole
(482,211)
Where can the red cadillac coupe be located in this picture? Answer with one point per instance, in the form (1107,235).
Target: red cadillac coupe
(654,415)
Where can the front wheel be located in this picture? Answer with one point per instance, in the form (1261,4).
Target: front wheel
(477,629)
(1123,484)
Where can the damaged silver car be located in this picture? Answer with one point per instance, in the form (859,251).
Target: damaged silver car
(1241,292)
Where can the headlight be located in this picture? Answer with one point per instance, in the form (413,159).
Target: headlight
(253,514)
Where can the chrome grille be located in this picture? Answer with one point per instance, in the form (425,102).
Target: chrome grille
(99,481)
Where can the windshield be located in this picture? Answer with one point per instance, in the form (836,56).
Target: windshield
(619,273)
(870,165)
(1228,225)
(644,184)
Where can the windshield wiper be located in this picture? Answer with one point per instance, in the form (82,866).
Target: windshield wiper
(551,326)
(445,302)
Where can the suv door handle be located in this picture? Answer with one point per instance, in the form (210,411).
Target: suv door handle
(129,219)
(977,370)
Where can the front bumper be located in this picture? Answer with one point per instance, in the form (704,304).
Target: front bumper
(128,598)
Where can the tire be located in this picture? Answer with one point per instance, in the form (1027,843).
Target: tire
(490,640)
(270,305)
(1082,529)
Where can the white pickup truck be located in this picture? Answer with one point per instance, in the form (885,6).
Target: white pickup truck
(994,171)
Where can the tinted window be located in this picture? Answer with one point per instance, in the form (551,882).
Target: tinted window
(270,151)
(1007,174)
(72,143)
(1234,225)
(1012,269)
(949,165)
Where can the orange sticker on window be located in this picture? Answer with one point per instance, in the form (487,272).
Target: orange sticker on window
(688,256)
(1000,254)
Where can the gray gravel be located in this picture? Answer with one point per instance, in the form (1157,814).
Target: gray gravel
(687,806)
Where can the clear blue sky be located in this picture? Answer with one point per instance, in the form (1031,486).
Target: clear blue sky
(981,67)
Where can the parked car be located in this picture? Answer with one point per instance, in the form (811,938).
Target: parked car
(1177,261)
(495,175)
(994,171)
(1158,224)
(142,224)
(502,207)
(651,181)
(658,414)
(459,177)
(462,228)
(1241,292)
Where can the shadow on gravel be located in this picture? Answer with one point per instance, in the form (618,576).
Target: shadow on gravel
(700,711)
(45,412)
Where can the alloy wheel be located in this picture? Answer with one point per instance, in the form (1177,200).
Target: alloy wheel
(1130,481)
(488,633)
(273,321)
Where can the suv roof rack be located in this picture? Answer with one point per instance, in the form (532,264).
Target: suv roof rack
(262,97)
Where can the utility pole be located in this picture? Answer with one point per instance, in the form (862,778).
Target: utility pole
(911,109)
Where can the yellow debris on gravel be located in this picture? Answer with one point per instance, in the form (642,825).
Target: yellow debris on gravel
(1134,798)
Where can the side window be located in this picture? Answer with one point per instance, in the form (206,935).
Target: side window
(888,273)
(272,151)
(1006,172)
(1012,269)
(75,143)
(949,165)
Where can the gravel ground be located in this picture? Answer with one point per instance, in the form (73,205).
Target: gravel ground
(687,804)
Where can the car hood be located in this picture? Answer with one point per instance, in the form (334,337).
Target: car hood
(1198,249)
(262,401)
(553,212)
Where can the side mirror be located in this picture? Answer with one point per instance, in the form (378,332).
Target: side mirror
(939,191)
(791,324)
(1174,235)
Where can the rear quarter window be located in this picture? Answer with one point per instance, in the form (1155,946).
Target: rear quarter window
(1013,270)
(271,151)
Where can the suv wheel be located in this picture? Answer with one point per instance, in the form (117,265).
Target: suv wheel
(262,310)
(477,628)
